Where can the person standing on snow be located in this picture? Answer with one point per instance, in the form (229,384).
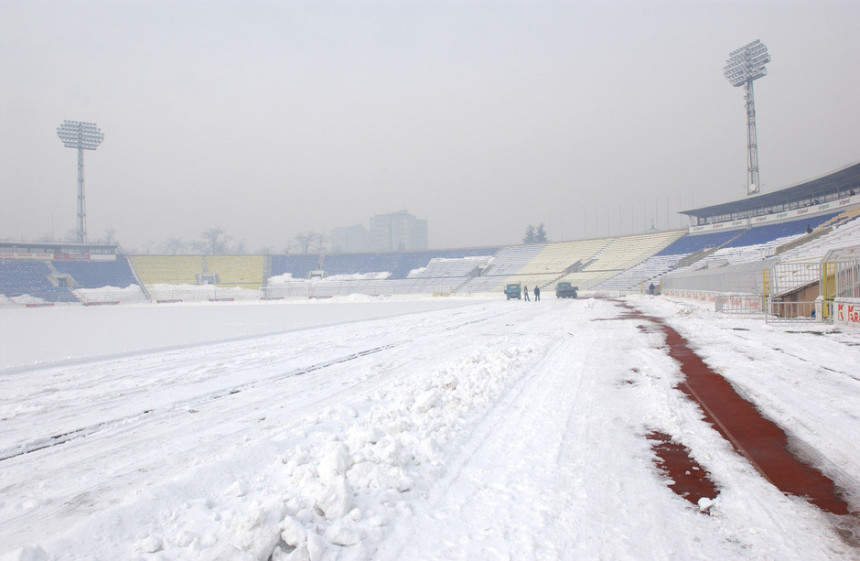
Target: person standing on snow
(525,293)
(537,293)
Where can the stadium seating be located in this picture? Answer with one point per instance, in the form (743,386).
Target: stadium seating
(842,218)
(760,242)
(445,267)
(502,267)
(692,243)
(648,271)
(625,263)
(760,235)
(397,264)
(241,271)
(97,274)
(297,266)
(31,277)
(167,269)
(844,234)
(620,254)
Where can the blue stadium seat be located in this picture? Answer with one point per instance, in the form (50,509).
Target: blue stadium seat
(30,276)
(97,274)
(693,243)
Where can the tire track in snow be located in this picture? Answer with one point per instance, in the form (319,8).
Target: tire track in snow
(451,323)
(132,456)
(181,406)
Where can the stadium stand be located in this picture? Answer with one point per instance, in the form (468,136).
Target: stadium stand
(504,265)
(841,218)
(758,243)
(31,277)
(397,264)
(768,233)
(726,249)
(445,275)
(376,273)
(690,244)
(297,266)
(639,276)
(741,269)
(241,271)
(843,234)
(446,267)
(167,269)
(618,255)
(556,259)
(97,274)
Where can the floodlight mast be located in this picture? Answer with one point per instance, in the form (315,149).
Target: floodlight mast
(83,136)
(743,66)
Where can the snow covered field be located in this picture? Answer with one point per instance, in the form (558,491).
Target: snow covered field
(398,429)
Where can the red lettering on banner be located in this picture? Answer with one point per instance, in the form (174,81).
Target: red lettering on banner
(848,312)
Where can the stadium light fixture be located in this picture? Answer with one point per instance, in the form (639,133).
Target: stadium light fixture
(743,66)
(83,136)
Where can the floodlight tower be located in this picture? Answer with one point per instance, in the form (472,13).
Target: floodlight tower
(83,136)
(742,67)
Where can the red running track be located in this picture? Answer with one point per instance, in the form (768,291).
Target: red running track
(758,439)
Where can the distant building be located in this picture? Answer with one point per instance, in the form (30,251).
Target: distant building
(350,239)
(398,231)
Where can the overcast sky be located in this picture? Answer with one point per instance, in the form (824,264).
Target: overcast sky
(272,118)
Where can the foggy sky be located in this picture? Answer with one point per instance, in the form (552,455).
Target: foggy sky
(272,118)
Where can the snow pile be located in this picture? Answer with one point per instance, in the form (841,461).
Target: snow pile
(129,294)
(381,275)
(281,279)
(333,495)
(198,292)
(21,300)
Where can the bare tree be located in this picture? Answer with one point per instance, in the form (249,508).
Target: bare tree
(174,246)
(319,242)
(214,241)
(304,241)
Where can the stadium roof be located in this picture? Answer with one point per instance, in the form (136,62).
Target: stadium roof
(831,186)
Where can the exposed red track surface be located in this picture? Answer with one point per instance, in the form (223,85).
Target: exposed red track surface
(689,479)
(758,439)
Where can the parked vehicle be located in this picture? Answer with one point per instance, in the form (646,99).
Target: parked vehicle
(514,290)
(565,290)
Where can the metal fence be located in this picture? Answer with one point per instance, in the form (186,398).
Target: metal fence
(804,292)
(739,304)
(797,312)
(846,277)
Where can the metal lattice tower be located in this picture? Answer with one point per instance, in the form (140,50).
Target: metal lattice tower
(83,136)
(743,66)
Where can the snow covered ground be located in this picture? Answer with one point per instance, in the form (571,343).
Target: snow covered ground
(397,429)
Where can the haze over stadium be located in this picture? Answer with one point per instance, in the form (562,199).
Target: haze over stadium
(675,393)
(271,119)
